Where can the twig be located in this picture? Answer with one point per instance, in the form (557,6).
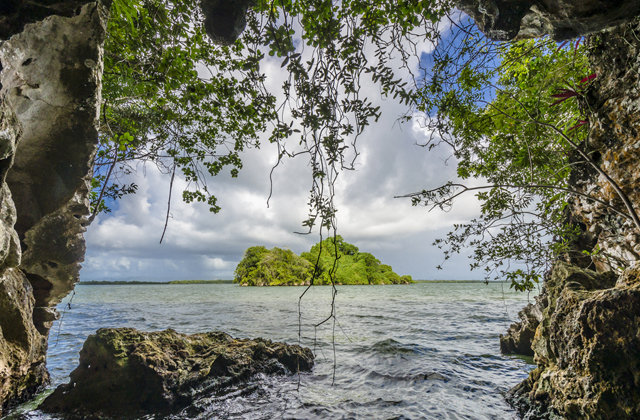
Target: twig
(166,221)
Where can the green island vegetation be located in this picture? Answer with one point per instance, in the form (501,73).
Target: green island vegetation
(331,258)
(136,282)
(201,282)
(454,281)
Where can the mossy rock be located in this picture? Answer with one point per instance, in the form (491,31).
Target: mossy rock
(125,373)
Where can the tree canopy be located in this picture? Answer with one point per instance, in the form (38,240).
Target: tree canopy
(276,267)
(339,262)
(507,111)
(332,261)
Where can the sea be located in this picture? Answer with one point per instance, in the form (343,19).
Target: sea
(398,352)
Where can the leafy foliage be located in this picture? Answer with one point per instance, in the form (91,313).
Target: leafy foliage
(507,110)
(339,262)
(508,129)
(333,261)
(172,98)
(275,267)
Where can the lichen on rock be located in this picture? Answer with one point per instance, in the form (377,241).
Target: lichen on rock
(587,348)
(124,373)
(520,335)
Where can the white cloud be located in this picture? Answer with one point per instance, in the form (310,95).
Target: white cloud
(201,245)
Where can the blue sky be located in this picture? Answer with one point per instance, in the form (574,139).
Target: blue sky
(125,245)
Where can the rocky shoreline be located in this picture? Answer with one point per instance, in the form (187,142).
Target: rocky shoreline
(125,373)
(586,346)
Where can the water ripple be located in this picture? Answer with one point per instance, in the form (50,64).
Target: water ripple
(426,351)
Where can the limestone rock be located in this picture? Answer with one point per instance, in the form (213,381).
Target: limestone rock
(22,347)
(124,372)
(15,14)
(225,20)
(51,79)
(49,99)
(520,335)
(561,19)
(587,348)
(612,106)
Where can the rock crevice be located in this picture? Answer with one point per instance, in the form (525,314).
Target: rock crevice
(50,78)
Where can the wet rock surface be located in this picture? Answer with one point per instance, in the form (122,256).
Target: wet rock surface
(126,373)
(587,348)
(520,335)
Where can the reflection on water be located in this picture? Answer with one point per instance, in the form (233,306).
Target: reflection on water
(423,351)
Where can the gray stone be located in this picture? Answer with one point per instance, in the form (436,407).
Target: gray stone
(225,20)
(125,373)
(560,19)
(49,102)
(22,348)
(15,14)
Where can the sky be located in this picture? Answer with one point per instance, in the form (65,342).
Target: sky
(124,244)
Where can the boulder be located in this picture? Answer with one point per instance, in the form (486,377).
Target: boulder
(587,348)
(520,335)
(126,373)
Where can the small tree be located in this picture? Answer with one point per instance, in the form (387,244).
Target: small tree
(517,128)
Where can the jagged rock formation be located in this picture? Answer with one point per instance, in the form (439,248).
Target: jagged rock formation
(51,78)
(49,101)
(22,347)
(588,344)
(587,348)
(565,19)
(520,335)
(612,104)
(161,372)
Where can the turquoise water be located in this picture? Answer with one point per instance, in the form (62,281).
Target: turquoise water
(423,351)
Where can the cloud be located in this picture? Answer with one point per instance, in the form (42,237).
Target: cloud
(201,245)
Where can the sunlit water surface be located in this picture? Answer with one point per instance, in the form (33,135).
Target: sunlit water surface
(423,351)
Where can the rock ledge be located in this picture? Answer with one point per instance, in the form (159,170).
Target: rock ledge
(124,372)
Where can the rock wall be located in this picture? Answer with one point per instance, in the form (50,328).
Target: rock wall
(587,343)
(561,19)
(612,104)
(587,348)
(49,101)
